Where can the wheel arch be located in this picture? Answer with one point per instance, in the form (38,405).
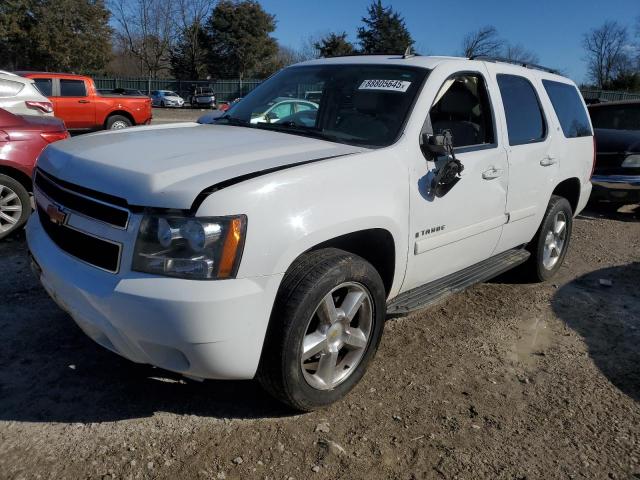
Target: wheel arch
(375,245)
(569,189)
(18,175)
(122,113)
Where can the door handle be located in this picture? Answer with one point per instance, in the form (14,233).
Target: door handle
(83,101)
(492,173)
(548,161)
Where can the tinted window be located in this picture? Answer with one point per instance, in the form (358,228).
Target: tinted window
(616,117)
(463,107)
(44,85)
(569,109)
(72,88)
(525,121)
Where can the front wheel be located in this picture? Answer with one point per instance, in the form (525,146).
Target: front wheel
(324,330)
(15,206)
(551,242)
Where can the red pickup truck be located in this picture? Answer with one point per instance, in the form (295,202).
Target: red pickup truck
(77,101)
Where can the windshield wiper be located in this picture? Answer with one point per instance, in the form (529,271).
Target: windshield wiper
(292,127)
(236,122)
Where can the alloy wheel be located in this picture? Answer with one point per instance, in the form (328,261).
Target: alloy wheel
(10,208)
(337,336)
(554,241)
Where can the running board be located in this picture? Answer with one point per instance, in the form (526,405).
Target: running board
(433,292)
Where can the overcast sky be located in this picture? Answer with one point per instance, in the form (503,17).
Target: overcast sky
(551,28)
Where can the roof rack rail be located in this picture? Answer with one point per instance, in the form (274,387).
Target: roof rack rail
(486,58)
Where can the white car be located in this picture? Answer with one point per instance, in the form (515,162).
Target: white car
(276,250)
(21,96)
(166,98)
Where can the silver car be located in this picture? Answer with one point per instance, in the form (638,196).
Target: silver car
(21,96)
(166,98)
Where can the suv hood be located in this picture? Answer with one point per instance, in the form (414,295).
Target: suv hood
(168,166)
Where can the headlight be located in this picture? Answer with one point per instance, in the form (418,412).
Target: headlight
(201,248)
(632,161)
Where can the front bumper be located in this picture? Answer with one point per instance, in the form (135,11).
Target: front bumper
(202,329)
(616,188)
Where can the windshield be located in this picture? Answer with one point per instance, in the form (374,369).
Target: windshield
(169,93)
(616,117)
(364,105)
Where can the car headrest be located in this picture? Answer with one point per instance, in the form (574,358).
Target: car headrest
(458,100)
(368,102)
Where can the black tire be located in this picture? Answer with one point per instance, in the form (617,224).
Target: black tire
(117,122)
(162,103)
(534,269)
(307,282)
(8,188)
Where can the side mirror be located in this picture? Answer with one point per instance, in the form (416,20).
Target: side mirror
(435,144)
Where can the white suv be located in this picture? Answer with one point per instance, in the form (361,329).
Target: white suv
(276,250)
(20,96)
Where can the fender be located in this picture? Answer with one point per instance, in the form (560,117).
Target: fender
(292,210)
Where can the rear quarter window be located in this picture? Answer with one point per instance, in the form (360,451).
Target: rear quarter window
(569,109)
(525,120)
(44,86)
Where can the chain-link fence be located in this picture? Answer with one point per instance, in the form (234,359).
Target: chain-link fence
(225,90)
(609,96)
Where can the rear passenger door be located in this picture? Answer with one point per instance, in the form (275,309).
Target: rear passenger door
(73,104)
(531,152)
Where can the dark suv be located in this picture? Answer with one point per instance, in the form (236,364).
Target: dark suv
(616,177)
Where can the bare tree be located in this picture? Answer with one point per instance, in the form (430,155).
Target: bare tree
(519,53)
(605,52)
(189,53)
(482,42)
(147,29)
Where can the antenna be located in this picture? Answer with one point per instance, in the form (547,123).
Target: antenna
(408,53)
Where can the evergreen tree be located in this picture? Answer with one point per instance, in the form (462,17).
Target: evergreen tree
(334,45)
(238,39)
(384,31)
(67,35)
(189,55)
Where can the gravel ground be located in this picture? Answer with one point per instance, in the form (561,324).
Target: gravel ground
(503,381)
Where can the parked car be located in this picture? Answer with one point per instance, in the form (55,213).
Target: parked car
(132,92)
(77,101)
(227,105)
(616,178)
(275,249)
(281,108)
(166,98)
(20,96)
(202,98)
(22,138)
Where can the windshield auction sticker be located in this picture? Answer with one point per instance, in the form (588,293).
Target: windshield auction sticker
(388,85)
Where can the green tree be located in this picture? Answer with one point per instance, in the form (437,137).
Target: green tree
(238,38)
(384,31)
(68,35)
(334,45)
(189,55)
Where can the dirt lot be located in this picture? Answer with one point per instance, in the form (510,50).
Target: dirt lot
(503,381)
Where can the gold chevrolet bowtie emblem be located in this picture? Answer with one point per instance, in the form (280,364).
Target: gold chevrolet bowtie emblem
(56,215)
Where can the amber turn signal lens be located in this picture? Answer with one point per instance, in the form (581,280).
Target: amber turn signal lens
(230,249)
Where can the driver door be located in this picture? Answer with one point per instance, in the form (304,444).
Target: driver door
(462,227)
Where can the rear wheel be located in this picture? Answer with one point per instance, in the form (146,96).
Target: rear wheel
(551,242)
(15,206)
(325,329)
(117,122)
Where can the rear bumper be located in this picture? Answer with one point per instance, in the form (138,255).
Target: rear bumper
(202,329)
(616,188)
